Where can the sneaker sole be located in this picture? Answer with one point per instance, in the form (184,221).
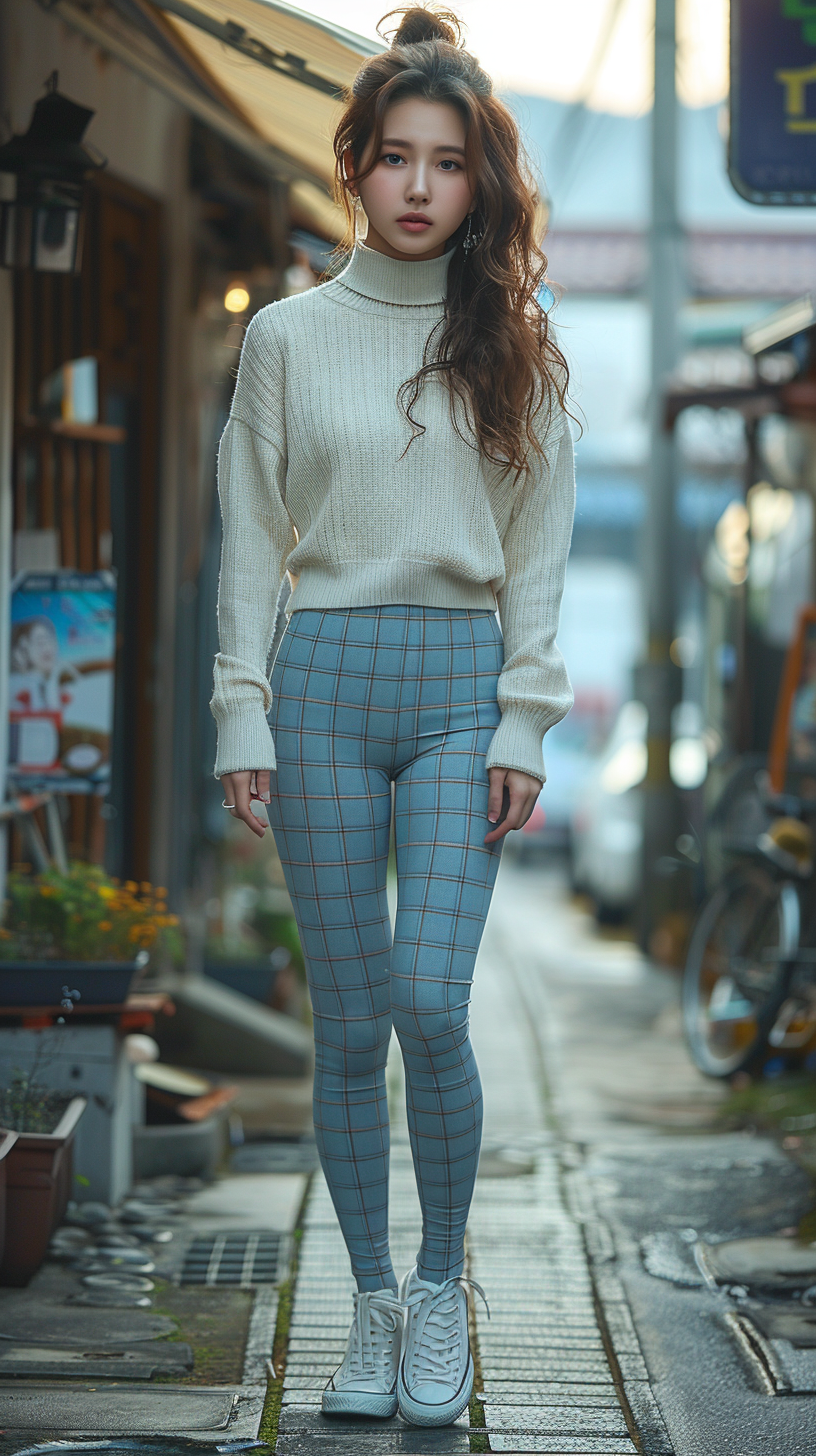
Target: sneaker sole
(436,1415)
(358,1403)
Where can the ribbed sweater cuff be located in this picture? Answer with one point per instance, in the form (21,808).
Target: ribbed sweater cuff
(244,741)
(517,744)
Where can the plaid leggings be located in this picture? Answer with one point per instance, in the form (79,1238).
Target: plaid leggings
(362,697)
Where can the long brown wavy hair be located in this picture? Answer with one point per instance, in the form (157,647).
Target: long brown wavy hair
(494,348)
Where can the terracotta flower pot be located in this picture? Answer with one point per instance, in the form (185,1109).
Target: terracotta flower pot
(38,1186)
(7,1141)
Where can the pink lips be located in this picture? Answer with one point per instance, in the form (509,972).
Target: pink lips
(414,222)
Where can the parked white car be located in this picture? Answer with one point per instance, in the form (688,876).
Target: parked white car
(607,834)
(607,823)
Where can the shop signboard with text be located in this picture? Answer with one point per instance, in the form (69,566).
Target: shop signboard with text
(61,683)
(772,141)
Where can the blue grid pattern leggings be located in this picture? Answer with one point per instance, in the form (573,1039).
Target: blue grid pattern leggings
(365,696)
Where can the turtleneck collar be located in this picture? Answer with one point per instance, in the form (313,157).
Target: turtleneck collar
(390,280)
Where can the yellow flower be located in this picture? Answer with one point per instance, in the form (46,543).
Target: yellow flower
(47,891)
(145,887)
(131,887)
(134,933)
(161,894)
(106,893)
(106,925)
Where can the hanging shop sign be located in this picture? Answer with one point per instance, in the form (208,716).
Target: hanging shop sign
(772,146)
(61,681)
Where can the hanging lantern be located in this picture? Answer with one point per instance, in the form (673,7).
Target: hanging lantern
(42,227)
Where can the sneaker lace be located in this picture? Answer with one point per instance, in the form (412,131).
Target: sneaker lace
(439,1352)
(376,1321)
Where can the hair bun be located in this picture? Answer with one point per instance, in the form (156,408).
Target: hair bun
(418,25)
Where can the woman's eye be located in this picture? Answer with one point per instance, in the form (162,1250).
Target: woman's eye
(450,166)
(392,157)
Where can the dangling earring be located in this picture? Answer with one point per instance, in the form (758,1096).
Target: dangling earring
(359,218)
(472,238)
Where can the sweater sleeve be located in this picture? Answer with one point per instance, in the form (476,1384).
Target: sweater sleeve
(257,538)
(534,690)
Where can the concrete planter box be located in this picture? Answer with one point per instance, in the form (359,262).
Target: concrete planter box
(38,1186)
(190,1149)
(40,983)
(7,1141)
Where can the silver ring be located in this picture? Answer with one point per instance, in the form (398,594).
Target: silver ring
(225,805)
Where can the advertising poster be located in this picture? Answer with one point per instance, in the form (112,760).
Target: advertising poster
(63,643)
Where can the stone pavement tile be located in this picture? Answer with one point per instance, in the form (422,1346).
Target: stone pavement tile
(27,1316)
(251,1200)
(529,1358)
(409,1441)
(114,1411)
(315,1339)
(309,1430)
(308,1367)
(535,1339)
(557,1420)
(559,1393)
(519,1445)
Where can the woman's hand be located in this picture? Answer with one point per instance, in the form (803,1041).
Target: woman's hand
(523,790)
(239,791)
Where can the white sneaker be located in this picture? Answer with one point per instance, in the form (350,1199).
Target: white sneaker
(366,1382)
(436,1367)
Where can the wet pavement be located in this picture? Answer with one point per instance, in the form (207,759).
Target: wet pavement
(645,1292)
(727,1345)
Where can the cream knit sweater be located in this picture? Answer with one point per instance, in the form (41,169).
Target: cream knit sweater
(314,478)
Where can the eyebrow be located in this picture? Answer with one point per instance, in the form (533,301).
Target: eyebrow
(395,142)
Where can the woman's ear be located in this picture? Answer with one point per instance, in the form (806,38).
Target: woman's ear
(348,172)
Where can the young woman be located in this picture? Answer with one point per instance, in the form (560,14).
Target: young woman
(398,444)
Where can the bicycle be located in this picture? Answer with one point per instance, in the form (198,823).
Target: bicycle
(746,986)
(749,986)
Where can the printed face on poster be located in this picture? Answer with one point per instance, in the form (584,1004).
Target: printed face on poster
(63,645)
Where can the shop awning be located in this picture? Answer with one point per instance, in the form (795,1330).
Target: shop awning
(284,69)
(265,75)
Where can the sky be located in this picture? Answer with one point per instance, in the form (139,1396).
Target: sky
(595,51)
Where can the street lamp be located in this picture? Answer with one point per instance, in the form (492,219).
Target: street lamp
(42,227)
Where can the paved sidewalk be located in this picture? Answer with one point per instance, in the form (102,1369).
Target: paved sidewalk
(560,1367)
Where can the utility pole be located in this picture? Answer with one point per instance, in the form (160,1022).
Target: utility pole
(658,678)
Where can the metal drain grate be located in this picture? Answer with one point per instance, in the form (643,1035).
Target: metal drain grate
(248,1257)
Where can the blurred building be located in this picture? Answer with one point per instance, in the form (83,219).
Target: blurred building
(214,200)
(741,263)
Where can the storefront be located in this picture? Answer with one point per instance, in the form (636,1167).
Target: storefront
(215,136)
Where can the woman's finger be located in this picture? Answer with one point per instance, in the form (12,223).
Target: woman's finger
(496,795)
(523,790)
(262,785)
(238,799)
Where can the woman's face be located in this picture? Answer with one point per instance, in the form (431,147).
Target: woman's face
(42,650)
(418,193)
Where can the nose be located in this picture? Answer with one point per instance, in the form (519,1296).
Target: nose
(419,186)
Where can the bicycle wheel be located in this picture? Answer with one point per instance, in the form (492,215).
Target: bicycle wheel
(739,964)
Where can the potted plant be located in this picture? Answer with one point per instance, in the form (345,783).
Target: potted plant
(38,1166)
(79,936)
(7,1141)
